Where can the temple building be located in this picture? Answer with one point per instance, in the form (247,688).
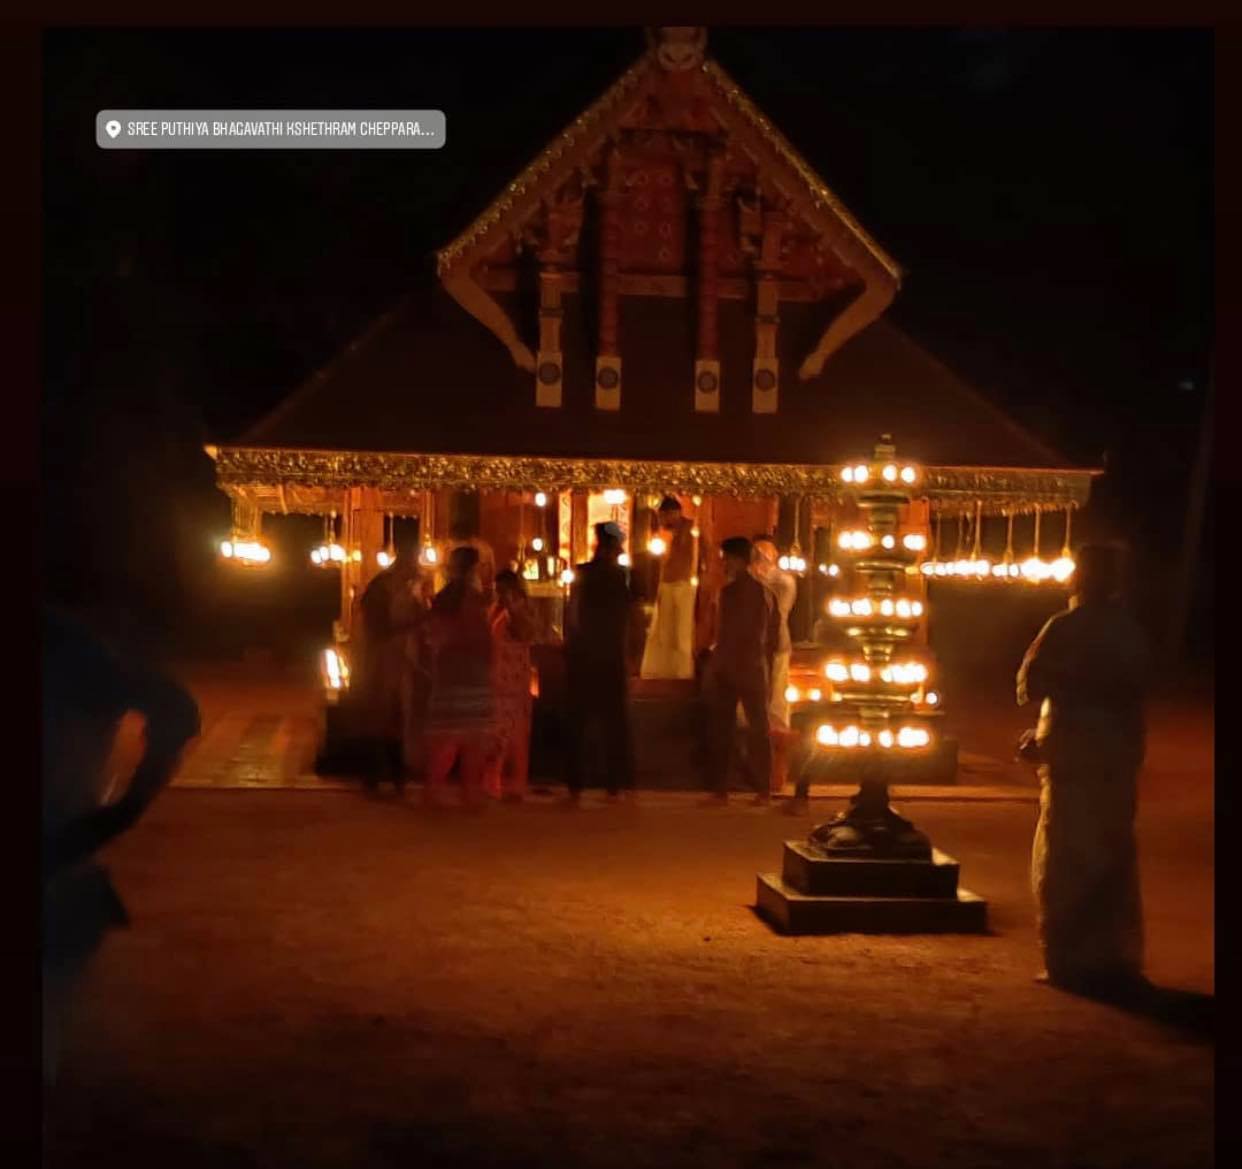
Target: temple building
(667,300)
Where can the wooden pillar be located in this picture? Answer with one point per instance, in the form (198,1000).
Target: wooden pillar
(247,518)
(578,534)
(608,358)
(368,534)
(766,373)
(707,359)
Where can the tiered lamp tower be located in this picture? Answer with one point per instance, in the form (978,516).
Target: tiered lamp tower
(869,869)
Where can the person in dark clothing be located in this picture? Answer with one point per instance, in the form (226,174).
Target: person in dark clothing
(86,693)
(597,630)
(380,665)
(747,636)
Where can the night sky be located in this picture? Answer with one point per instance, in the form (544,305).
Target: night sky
(1047,192)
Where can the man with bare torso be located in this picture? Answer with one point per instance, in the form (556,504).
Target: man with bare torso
(670,643)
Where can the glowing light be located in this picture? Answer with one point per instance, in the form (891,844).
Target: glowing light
(783,563)
(886,608)
(847,474)
(541,499)
(913,737)
(316,556)
(927,568)
(834,570)
(694,582)
(335,670)
(537,544)
(383,559)
(697,500)
(890,473)
(854,540)
(861,474)
(567,577)
(1062,569)
(849,737)
(792,694)
(356,556)
(908,474)
(864,738)
(695,533)
(914,542)
(836,672)
(860,672)
(889,541)
(861,607)
(624,560)
(250,553)
(614,497)
(904,673)
(826,735)
(932,698)
(942,570)
(816,695)
(916,608)
(656,546)
(429,554)
(839,608)
(886,739)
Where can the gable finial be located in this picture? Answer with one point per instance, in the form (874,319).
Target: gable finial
(678,47)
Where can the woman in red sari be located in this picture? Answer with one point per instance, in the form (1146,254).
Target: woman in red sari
(460,720)
(512,632)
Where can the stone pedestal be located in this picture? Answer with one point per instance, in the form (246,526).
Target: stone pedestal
(816,894)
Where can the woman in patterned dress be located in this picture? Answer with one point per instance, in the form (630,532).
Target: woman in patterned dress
(512,632)
(460,725)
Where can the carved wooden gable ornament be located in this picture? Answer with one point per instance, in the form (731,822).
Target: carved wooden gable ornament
(672,184)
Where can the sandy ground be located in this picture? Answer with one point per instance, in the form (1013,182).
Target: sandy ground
(320,979)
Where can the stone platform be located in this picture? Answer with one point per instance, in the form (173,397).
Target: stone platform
(814,894)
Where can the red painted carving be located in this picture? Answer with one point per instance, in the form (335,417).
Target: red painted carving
(610,255)
(709,294)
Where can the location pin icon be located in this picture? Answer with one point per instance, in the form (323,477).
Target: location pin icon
(113,127)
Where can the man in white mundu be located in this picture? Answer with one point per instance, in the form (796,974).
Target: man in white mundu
(670,643)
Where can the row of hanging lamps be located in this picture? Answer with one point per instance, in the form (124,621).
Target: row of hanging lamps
(977,566)
(329,553)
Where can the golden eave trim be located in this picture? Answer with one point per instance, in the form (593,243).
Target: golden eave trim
(822,198)
(1000,489)
(521,198)
(555,162)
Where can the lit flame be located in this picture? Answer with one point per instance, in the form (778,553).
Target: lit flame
(656,546)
